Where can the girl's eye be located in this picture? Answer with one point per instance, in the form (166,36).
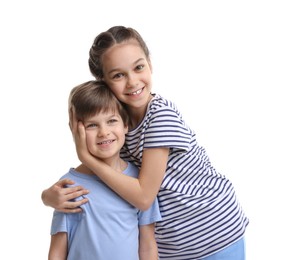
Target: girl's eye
(140,67)
(118,75)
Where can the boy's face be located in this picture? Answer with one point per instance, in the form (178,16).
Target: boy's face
(105,135)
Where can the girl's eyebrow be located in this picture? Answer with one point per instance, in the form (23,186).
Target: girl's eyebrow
(134,63)
(140,59)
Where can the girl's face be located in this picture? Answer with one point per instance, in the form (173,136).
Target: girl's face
(128,73)
(105,135)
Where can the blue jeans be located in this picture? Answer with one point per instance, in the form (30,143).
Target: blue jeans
(235,251)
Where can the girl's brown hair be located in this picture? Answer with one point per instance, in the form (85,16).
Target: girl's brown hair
(105,40)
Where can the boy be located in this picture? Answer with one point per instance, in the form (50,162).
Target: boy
(107,227)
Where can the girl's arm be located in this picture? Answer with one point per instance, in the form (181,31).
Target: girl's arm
(58,247)
(139,192)
(148,249)
(59,197)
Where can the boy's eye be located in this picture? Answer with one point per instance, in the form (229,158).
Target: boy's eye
(90,126)
(112,121)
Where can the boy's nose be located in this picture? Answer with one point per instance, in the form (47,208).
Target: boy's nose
(103,131)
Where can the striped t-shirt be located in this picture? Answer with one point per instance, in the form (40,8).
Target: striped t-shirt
(200,212)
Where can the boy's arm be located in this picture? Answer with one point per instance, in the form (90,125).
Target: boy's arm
(147,244)
(58,247)
(59,197)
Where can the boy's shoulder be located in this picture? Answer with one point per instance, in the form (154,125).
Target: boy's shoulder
(131,170)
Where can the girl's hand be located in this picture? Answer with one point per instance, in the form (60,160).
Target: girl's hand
(79,136)
(59,197)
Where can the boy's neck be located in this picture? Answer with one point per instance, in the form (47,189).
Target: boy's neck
(119,165)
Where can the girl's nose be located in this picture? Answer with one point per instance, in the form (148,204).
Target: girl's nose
(132,81)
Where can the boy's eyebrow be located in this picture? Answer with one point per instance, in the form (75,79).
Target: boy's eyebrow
(111,115)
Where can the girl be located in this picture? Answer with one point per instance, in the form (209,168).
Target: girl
(201,216)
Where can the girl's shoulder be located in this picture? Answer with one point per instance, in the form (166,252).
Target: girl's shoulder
(159,103)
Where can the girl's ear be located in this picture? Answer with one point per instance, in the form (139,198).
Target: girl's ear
(125,129)
(150,65)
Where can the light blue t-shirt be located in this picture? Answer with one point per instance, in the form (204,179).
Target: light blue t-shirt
(107,229)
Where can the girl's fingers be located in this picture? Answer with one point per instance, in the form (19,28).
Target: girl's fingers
(74,121)
(75,204)
(64,182)
(74,192)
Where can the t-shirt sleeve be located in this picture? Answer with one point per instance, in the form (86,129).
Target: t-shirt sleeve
(59,223)
(166,128)
(150,215)
(62,222)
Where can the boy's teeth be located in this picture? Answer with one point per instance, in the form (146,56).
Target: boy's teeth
(105,142)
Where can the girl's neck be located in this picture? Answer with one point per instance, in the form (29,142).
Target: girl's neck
(137,114)
(135,120)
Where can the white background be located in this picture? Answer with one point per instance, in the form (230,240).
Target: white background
(222,62)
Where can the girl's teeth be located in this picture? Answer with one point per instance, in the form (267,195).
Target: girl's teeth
(137,92)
